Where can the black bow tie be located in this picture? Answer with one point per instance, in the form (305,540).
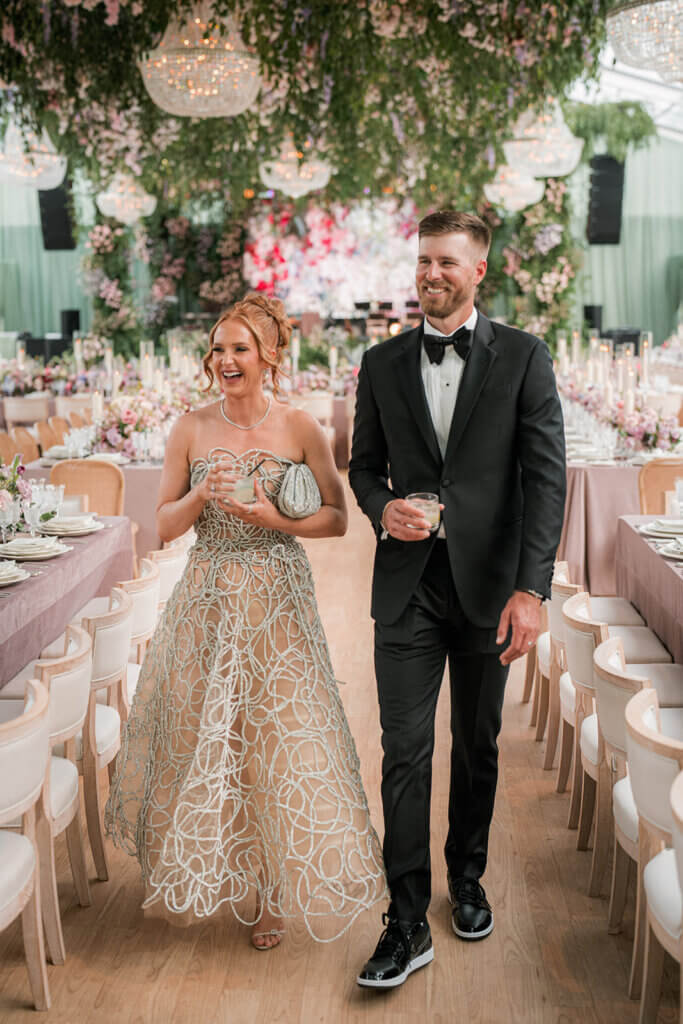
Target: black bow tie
(436,346)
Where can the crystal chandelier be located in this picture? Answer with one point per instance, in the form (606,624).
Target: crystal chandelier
(197,72)
(30,160)
(291,174)
(512,190)
(649,35)
(543,145)
(125,200)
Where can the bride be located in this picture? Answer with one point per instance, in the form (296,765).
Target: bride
(238,781)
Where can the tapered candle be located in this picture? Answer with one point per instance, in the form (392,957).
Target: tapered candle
(333,360)
(97,406)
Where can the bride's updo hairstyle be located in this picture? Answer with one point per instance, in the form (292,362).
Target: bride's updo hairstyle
(267,320)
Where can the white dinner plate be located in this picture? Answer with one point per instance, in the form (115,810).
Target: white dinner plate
(78,531)
(648,530)
(672,551)
(36,554)
(16,577)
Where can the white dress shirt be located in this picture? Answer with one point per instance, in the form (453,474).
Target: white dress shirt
(441,383)
(442,380)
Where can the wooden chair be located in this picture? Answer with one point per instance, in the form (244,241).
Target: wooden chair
(320,405)
(46,436)
(26,410)
(26,443)
(615,684)
(583,633)
(654,747)
(171,562)
(654,480)
(24,752)
(99,743)
(103,482)
(60,427)
(67,680)
(76,420)
(8,448)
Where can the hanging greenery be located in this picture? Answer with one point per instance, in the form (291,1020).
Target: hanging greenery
(610,127)
(106,271)
(403,97)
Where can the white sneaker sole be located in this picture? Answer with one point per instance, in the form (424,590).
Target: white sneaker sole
(472,936)
(420,961)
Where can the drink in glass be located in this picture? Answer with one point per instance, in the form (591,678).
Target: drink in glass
(428,504)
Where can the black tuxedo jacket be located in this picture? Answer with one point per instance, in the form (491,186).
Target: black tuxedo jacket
(502,480)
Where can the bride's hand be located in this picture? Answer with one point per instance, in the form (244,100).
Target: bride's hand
(261,512)
(217,484)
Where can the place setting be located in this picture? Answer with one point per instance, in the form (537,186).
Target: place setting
(71,526)
(33,549)
(663,528)
(11,573)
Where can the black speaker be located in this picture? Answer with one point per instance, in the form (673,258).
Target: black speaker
(55,219)
(71,322)
(592,316)
(604,202)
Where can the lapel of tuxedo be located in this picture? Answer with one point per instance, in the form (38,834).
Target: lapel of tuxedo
(477,368)
(406,361)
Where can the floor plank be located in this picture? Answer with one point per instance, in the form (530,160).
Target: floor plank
(548,961)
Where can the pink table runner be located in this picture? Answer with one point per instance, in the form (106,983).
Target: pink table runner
(37,611)
(650,582)
(596,497)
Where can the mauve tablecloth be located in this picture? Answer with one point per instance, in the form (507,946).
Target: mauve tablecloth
(651,582)
(35,612)
(596,497)
(140,500)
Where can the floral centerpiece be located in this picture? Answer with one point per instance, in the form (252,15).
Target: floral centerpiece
(12,482)
(20,379)
(644,429)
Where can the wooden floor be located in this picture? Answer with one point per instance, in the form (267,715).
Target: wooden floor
(548,961)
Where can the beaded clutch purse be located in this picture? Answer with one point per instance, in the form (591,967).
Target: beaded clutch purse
(299,495)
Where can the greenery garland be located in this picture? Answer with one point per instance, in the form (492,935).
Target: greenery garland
(404,97)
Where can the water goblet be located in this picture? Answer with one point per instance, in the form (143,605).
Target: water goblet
(32,512)
(6,519)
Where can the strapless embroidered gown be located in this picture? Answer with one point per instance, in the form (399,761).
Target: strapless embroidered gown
(237,771)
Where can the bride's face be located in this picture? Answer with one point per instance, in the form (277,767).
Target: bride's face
(235,360)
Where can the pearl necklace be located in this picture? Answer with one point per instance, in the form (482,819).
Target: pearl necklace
(240,426)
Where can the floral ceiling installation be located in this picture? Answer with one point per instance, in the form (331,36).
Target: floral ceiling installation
(389,93)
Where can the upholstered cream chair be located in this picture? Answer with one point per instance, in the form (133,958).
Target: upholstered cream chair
(654,747)
(654,479)
(320,405)
(24,753)
(67,680)
(171,562)
(583,633)
(66,404)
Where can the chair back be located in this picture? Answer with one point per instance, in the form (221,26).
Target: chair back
(654,480)
(654,761)
(614,687)
(26,409)
(24,752)
(26,443)
(60,427)
(76,420)
(582,634)
(560,590)
(67,680)
(8,448)
(66,404)
(676,798)
(46,435)
(171,563)
(103,482)
(110,634)
(144,593)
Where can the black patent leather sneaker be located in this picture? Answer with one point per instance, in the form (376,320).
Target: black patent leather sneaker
(471,917)
(402,948)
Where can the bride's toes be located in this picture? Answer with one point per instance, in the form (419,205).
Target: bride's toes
(266,940)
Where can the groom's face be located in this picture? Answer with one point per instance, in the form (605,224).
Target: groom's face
(449,268)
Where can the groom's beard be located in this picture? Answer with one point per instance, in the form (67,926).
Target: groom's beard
(442,305)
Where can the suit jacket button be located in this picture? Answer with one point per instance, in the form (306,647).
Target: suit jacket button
(446,483)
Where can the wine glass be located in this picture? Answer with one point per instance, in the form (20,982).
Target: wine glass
(6,519)
(32,512)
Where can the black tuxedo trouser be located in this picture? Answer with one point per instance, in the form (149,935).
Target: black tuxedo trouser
(410,658)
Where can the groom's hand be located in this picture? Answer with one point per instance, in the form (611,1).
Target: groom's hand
(403,521)
(522,614)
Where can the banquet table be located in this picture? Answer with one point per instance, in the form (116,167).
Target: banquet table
(596,497)
(652,583)
(36,611)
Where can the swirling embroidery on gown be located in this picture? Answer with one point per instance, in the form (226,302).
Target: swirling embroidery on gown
(237,770)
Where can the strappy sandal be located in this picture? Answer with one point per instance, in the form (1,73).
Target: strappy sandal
(277,933)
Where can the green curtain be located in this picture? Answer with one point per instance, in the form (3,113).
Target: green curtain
(638,282)
(35,285)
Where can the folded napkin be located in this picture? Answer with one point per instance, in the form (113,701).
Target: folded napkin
(670,525)
(30,543)
(70,522)
(57,451)
(8,568)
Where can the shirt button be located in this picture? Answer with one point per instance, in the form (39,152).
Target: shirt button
(446,483)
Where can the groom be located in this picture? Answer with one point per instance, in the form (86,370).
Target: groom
(467,409)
